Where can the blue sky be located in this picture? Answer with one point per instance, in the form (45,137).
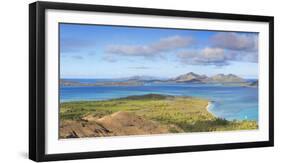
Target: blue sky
(95,51)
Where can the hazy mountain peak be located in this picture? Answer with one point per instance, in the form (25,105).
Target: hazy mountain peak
(218,78)
(191,73)
(190,77)
(229,78)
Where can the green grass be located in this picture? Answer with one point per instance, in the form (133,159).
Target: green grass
(189,114)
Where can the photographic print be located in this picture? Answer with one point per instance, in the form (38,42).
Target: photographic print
(107,81)
(125,80)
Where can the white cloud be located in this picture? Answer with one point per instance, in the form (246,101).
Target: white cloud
(206,56)
(235,41)
(221,49)
(140,67)
(151,50)
(215,56)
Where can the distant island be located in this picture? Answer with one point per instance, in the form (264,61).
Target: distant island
(119,83)
(191,77)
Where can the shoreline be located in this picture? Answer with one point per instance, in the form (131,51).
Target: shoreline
(210,104)
(208,107)
(131,116)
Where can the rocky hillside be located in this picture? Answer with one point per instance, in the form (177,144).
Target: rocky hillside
(219,78)
(191,77)
(230,78)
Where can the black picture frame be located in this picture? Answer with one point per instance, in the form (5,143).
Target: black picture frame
(37,80)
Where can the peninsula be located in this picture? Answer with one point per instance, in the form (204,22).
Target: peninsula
(142,115)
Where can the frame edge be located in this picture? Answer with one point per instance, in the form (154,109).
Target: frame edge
(271,80)
(37,82)
(32,82)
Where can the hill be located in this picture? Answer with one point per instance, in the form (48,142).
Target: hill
(219,78)
(142,115)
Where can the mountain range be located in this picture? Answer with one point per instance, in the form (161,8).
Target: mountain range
(191,77)
(219,78)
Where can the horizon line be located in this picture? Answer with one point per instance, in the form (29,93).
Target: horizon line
(157,77)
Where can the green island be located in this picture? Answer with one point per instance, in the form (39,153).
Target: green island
(142,115)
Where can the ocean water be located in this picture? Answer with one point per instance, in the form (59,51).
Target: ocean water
(229,102)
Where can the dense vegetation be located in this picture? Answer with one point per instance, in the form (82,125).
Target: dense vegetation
(187,113)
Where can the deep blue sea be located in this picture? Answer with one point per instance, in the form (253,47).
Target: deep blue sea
(229,102)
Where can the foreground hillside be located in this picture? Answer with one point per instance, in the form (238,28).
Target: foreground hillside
(142,115)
